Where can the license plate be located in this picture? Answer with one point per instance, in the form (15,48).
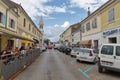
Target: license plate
(106,63)
(83,58)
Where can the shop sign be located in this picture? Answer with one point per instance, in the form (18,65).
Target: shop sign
(110,32)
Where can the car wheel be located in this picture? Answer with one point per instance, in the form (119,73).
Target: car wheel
(77,60)
(100,69)
(94,61)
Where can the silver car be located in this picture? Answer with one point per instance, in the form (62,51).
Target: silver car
(75,52)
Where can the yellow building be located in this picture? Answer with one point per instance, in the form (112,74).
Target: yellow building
(16,27)
(27,29)
(110,22)
(94,27)
(91,30)
(67,39)
(8,25)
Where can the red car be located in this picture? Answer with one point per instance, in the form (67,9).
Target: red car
(49,47)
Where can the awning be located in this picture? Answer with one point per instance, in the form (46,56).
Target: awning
(86,42)
(13,35)
(35,40)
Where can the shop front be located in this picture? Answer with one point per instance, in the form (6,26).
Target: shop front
(111,36)
(10,40)
(95,40)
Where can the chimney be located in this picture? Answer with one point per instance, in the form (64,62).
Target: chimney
(88,11)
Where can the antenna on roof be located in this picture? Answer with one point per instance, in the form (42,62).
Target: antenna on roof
(88,11)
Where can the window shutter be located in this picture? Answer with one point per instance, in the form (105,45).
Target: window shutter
(3,19)
(9,23)
(13,24)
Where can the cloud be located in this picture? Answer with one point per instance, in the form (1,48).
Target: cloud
(53,32)
(36,8)
(93,4)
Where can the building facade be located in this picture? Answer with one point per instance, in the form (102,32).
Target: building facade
(101,26)
(16,27)
(76,36)
(110,22)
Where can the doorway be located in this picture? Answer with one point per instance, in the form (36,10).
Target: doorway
(95,44)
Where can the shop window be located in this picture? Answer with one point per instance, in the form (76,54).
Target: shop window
(111,15)
(11,23)
(113,40)
(10,44)
(88,26)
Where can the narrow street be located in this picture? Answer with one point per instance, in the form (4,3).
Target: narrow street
(54,65)
(49,66)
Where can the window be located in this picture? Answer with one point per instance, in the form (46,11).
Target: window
(108,50)
(112,40)
(24,23)
(111,15)
(72,40)
(2,18)
(94,23)
(83,29)
(10,44)
(33,30)
(88,26)
(1,14)
(11,23)
(118,50)
(29,27)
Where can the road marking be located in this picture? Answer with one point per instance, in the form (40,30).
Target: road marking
(90,68)
(85,74)
(71,62)
(87,70)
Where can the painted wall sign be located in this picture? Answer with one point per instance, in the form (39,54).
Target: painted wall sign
(110,32)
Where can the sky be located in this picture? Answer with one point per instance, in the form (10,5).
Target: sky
(58,15)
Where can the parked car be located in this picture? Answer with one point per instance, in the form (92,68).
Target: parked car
(50,46)
(43,48)
(75,52)
(61,48)
(68,50)
(109,57)
(87,54)
(56,46)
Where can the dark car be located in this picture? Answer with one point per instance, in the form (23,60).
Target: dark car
(68,49)
(61,48)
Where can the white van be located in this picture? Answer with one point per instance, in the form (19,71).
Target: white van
(109,57)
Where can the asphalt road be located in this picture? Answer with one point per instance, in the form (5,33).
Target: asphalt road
(54,65)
